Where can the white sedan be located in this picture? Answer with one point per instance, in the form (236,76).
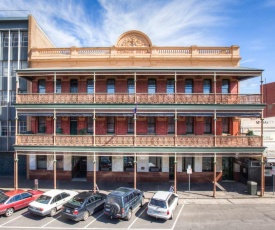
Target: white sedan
(50,202)
(162,205)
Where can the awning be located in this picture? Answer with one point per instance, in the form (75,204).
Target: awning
(36,114)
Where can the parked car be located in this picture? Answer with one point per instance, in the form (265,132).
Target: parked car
(84,204)
(162,205)
(16,199)
(50,202)
(121,202)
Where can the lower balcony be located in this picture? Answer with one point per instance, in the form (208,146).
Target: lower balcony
(139,141)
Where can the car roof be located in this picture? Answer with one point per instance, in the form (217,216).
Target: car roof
(122,191)
(161,195)
(14,192)
(54,192)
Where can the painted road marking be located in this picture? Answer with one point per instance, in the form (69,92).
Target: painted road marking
(94,220)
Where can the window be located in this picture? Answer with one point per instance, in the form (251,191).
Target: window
(131,86)
(225,125)
(22,127)
(155,164)
(59,162)
(111,86)
(58,86)
(4,128)
(151,122)
(5,45)
(207,125)
(187,161)
(26,195)
(105,163)
(128,163)
(225,86)
(90,125)
(170,86)
(171,125)
(189,125)
(12,128)
(90,86)
(206,86)
(207,164)
(189,86)
(73,86)
(24,46)
(41,162)
(151,86)
(110,124)
(130,125)
(58,123)
(42,86)
(14,46)
(41,125)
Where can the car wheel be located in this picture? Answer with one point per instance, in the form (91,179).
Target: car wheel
(114,209)
(9,212)
(85,215)
(53,212)
(129,215)
(142,202)
(172,216)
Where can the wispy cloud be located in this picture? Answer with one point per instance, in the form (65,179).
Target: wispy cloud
(174,22)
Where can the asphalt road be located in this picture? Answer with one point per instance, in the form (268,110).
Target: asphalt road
(190,214)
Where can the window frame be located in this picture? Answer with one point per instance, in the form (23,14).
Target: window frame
(111,86)
(207,86)
(90,86)
(225,86)
(189,87)
(131,86)
(152,86)
(151,125)
(41,86)
(207,125)
(110,125)
(74,86)
(170,86)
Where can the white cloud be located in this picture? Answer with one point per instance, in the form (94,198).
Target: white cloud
(174,22)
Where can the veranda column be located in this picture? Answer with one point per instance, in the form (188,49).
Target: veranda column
(175,84)
(176,128)
(135,172)
(15,171)
(54,170)
(95,186)
(263,159)
(94,119)
(175,173)
(215,170)
(215,87)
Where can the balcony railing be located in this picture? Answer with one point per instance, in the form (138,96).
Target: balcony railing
(158,98)
(139,141)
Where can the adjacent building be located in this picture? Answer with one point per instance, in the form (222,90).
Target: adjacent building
(15,36)
(136,112)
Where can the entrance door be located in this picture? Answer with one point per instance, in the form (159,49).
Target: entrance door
(73,126)
(227,168)
(79,167)
(171,168)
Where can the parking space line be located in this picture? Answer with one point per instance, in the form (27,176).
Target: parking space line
(94,220)
(136,218)
(13,219)
(50,222)
(177,218)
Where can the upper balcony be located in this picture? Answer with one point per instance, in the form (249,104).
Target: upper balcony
(140,98)
(138,141)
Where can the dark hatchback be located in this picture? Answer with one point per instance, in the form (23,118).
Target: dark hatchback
(84,204)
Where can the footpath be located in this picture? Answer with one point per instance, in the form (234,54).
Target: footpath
(229,192)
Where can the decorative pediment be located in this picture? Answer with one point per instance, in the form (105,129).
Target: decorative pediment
(133,38)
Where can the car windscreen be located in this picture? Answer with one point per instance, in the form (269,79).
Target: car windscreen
(114,199)
(43,199)
(158,203)
(76,201)
(3,198)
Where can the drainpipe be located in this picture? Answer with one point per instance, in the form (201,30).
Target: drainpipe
(175,173)
(95,186)
(135,171)
(54,170)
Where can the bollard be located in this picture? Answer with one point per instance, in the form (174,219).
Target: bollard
(36,184)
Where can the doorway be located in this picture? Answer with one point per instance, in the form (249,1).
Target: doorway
(171,168)
(73,126)
(79,167)
(227,168)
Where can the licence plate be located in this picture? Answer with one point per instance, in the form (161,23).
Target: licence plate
(67,210)
(107,209)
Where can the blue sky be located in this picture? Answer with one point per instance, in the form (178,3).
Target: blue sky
(249,24)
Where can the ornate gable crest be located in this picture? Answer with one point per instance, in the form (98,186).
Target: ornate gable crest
(133,39)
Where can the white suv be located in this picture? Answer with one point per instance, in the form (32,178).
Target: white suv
(50,202)
(162,205)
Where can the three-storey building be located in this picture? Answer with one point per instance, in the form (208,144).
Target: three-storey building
(136,112)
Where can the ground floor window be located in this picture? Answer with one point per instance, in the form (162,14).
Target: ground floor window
(41,162)
(187,161)
(207,164)
(155,164)
(59,162)
(105,163)
(128,164)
